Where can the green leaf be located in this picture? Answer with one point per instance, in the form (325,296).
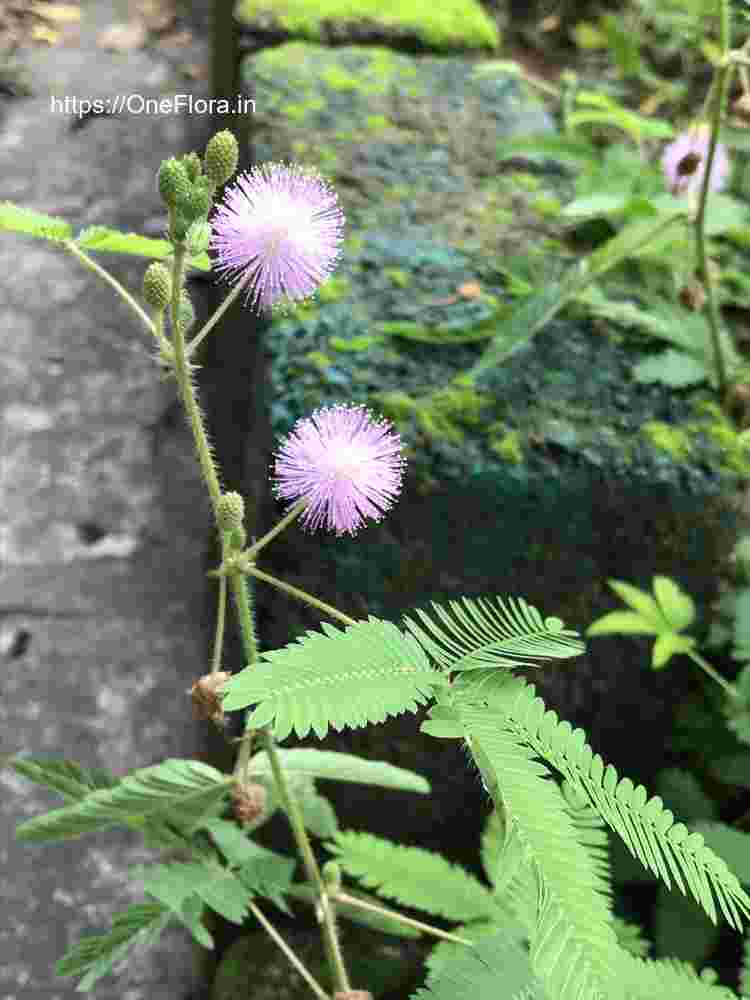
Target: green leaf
(596,205)
(671,368)
(318,814)
(630,937)
(334,766)
(629,242)
(362,675)
(574,150)
(219,888)
(95,956)
(413,877)
(732,846)
(641,602)
(260,870)
(621,623)
(23,220)
(496,967)
(667,645)
(477,633)
(67,777)
(185,785)
(681,929)
(102,239)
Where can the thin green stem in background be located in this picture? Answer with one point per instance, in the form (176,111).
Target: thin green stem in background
(343,897)
(283,523)
(719,89)
(221,610)
(124,294)
(274,934)
(213,320)
(301,595)
(705,666)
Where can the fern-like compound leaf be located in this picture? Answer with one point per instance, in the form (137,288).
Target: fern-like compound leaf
(66,777)
(745,968)
(362,675)
(95,956)
(413,876)
(496,967)
(573,945)
(648,830)
(668,980)
(473,633)
(147,794)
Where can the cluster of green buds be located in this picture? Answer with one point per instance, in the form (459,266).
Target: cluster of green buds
(230,515)
(187,188)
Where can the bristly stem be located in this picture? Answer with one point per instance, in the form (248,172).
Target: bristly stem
(247,631)
(123,293)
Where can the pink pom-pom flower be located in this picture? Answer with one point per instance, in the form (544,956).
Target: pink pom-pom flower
(345,464)
(684,162)
(278,231)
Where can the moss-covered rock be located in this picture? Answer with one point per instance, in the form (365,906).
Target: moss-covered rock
(450,24)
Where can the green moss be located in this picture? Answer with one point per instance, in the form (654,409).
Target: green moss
(377,123)
(321,361)
(333,290)
(441,414)
(448,24)
(298,110)
(508,446)
(719,428)
(397,276)
(338,79)
(673,440)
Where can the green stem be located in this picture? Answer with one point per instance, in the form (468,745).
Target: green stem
(221,611)
(286,520)
(274,934)
(189,401)
(213,320)
(343,897)
(326,913)
(241,594)
(301,595)
(730,689)
(720,86)
(124,294)
(247,631)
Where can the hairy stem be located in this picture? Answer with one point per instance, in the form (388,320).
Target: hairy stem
(343,897)
(241,596)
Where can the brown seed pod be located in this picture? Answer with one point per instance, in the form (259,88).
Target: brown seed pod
(248,802)
(693,296)
(205,696)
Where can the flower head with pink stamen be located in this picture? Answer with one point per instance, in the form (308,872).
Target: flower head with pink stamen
(278,231)
(347,466)
(684,162)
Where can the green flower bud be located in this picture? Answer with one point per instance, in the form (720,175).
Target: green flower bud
(157,286)
(331,872)
(186,313)
(222,155)
(197,203)
(197,237)
(192,164)
(230,511)
(174,185)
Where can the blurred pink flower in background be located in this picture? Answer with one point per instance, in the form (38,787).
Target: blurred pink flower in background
(279,231)
(346,464)
(684,162)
